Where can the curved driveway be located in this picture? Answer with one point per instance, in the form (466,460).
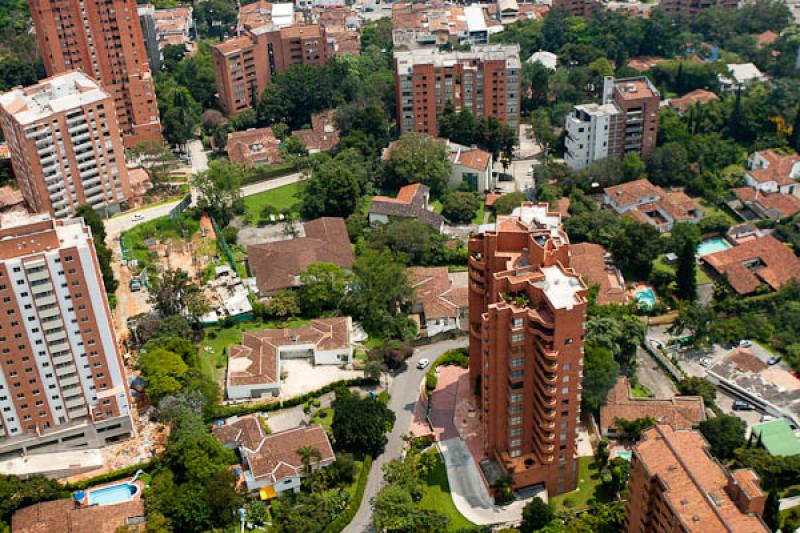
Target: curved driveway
(404,391)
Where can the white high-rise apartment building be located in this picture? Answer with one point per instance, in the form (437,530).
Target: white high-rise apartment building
(62,380)
(588,133)
(65,145)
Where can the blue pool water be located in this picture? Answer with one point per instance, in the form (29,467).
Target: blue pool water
(625,454)
(646,298)
(712,246)
(112,494)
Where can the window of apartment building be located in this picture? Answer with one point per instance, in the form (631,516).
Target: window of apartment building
(517,373)
(565,379)
(562,436)
(514,420)
(514,398)
(516,431)
(515,453)
(517,323)
(516,443)
(517,337)
(519,361)
(515,409)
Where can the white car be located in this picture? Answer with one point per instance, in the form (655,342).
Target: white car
(137,217)
(706,362)
(745,343)
(423,363)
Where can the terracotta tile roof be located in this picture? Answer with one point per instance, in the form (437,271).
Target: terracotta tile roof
(562,206)
(345,42)
(277,265)
(253,146)
(779,204)
(698,96)
(491,198)
(409,203)
(681,412)
(644,63)
(274,457)
(234,45)
(256,14)
(255,360)
(680,206)
(629,193)
(322,135)
(62,516)
(779,168)
(589,260)
(10,197)
(753,262)
(302,31)
(472,158)
(434,294)
(694,483)
(766,38)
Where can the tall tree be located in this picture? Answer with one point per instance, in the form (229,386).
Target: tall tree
(724,434)
(332,190)
(104,255)
(219,190)
(772,510)
(173,293)
(686,274)
(418,158)
(535,515)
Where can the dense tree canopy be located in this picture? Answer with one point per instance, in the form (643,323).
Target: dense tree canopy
(418,158)
(360,423)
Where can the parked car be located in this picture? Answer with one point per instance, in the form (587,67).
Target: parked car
(135,285)
(767,418)
(423,363)
(744,343)
(774,360)
(138,217)
(706,362)
(739,405)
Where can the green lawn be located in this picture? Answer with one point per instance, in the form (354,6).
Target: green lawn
(711,209)
(478,216)
(284,199)
(640,391)
(660,264)
(437,205)
(589,490)
(437,496)
(224,337)
(324,417)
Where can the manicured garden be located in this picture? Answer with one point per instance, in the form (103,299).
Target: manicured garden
(590,489)
(282,199)
(438,498)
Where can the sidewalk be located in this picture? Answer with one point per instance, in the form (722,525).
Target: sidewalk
(457,428)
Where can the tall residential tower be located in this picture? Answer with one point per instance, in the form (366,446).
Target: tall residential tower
(103,38)
(527,309)
(484,81)
(62,381)
(65,146)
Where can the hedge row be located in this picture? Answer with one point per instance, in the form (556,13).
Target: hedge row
(344,519)
(224,411)
(456,356)
(116,475)
(265,172)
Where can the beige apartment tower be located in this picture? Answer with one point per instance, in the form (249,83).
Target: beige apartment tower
(62,381)
(103,38)
(65,146)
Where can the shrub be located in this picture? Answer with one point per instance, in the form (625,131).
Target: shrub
(430,381)
(315,402)
(344,519)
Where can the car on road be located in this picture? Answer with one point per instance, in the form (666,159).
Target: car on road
(744,343)
(739,405)
(774,360)
(423,363)
(137,217)
(135,285)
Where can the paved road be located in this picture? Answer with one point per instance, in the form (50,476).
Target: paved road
(118,224)
(650,374)
(404,391)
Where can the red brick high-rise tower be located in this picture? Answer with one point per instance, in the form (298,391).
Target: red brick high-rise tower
(103,38)
(527,309)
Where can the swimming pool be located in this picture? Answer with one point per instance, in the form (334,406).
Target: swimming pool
(112,494)
(646,298)
(712,246)
(625,454)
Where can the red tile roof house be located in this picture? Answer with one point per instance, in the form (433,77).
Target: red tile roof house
(592,262)
(412,201)
(756,262)
(768,205)
(253,146)
(67,516)
(271,461)
(277,265)
(680,412)
(322,136)
(471,165)
(769,171)
(651,204)
(698,96)
(254,366)
(439,305)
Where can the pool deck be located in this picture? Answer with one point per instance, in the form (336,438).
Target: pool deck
(84,502)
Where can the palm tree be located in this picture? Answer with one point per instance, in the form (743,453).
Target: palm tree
(309,456)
